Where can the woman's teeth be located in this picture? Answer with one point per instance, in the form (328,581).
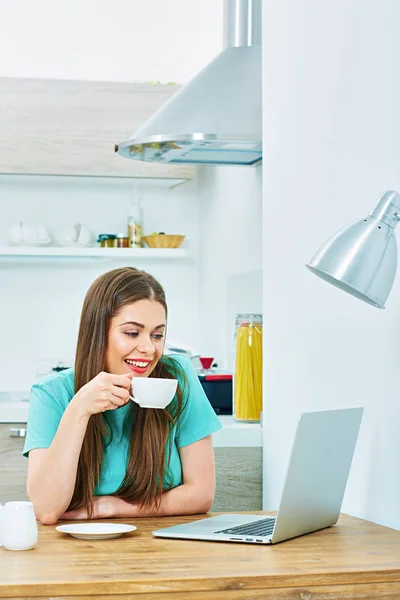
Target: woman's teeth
(137,363)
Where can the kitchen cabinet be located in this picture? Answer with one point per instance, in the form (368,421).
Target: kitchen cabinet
(238,473)
(13,466)
(59,127)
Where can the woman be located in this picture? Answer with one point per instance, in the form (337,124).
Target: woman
(93,453)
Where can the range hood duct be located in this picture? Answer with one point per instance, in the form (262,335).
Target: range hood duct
(216,117)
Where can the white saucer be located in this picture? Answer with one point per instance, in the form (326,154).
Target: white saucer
(96,531)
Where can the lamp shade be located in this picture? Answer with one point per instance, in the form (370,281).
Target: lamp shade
(360,259)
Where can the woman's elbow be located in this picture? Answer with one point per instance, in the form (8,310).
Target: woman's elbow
(206,503)
(46,518)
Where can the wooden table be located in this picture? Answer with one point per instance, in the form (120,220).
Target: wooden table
(354,559)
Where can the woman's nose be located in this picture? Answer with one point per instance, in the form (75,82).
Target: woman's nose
(146,345)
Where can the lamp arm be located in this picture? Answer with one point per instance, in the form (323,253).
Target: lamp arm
(387,208)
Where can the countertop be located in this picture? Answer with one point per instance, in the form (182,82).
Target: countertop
(14,409)
(353,559)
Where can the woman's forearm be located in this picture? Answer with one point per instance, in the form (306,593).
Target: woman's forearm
(182,500)
(51,485)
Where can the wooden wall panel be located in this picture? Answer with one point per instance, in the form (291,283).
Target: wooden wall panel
(62,127)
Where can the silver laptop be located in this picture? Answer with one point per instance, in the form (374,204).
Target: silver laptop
(313,492)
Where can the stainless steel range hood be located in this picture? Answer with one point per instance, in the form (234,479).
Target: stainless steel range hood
(215,118)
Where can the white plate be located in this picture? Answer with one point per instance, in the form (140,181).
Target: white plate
(95,531)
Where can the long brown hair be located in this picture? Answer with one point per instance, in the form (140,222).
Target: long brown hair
(149,456)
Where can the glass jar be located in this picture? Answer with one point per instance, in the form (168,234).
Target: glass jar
(247,383)
(107,240)
(122,240)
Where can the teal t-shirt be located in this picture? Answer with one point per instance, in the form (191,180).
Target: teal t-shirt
(51,396)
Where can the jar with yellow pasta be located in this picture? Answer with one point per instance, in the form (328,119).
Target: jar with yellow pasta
(247,383)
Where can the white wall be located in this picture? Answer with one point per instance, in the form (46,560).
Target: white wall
(231,253)
(40,302)
(118,41)
(331,117)
(122,40)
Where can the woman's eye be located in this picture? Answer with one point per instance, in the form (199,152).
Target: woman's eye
(134,334)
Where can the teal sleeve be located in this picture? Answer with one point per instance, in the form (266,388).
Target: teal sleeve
(198,418)
(44,416)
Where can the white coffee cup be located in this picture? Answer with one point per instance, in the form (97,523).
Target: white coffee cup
(153,392)
(19,527)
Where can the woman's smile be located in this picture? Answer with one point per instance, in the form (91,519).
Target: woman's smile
(138,366)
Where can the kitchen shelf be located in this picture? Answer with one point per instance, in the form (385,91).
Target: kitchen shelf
(11,253)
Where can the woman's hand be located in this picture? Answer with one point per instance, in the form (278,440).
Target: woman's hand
(104,392)
(103,508)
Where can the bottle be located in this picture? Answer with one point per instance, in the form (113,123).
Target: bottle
(135,221)
(247,391)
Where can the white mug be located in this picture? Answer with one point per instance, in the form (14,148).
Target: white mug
(19,527)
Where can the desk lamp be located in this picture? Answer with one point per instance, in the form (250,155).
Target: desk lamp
(361,258)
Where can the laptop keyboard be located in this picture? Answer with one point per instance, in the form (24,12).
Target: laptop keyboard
(262,528)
